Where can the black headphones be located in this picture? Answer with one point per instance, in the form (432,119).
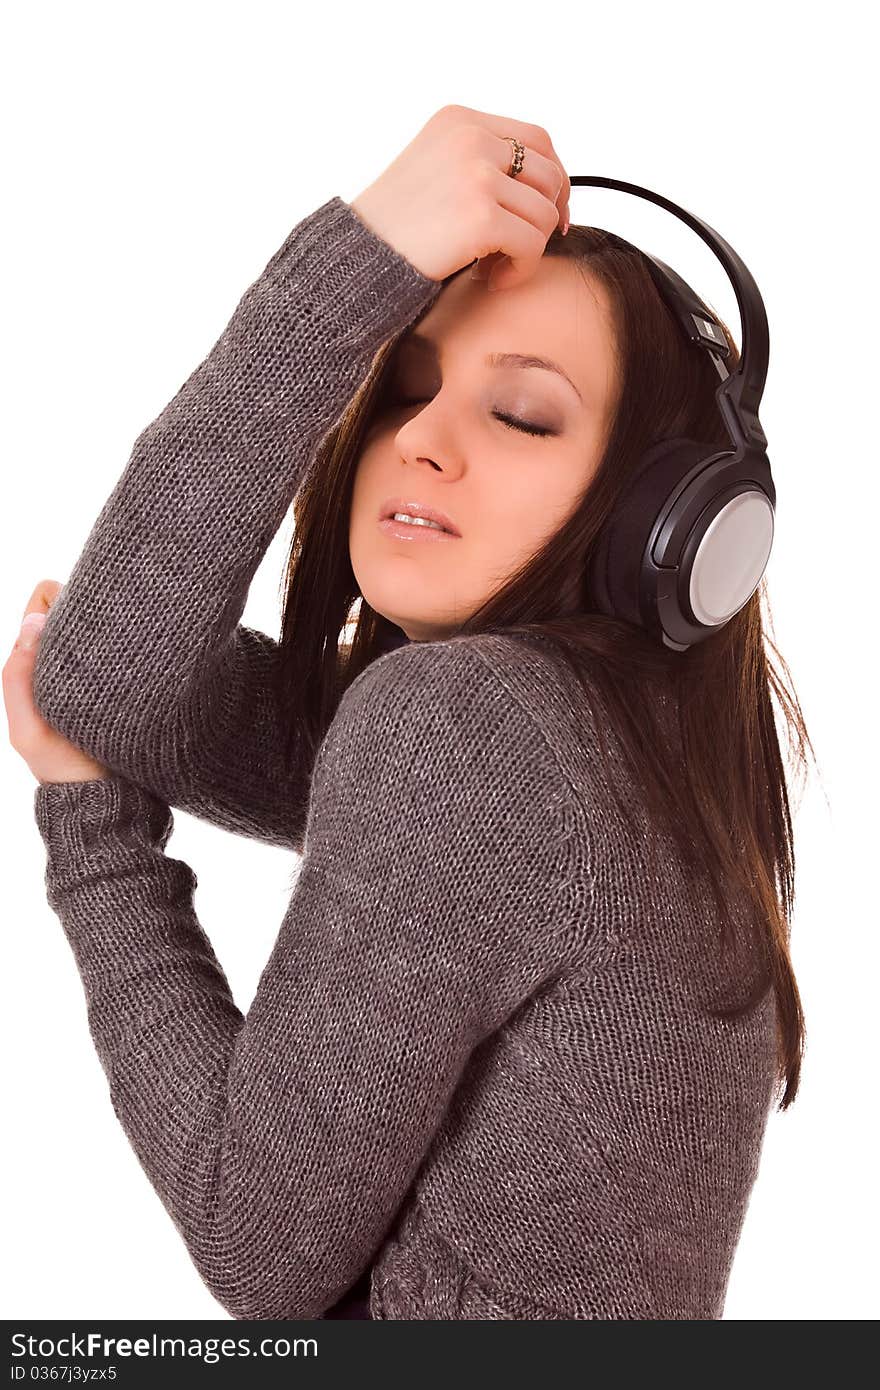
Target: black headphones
(689,540)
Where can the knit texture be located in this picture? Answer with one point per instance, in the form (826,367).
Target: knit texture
(478,1066)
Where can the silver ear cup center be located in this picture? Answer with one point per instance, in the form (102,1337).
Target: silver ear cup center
(731,558)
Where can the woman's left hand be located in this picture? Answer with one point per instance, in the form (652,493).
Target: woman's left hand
(50,757)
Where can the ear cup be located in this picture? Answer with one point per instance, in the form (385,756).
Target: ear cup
(680,558)
(616,570)
(725,556)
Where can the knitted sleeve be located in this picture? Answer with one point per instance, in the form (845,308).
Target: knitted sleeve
(434,898)
(143,662)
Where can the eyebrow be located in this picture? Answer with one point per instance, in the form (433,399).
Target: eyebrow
(500,359)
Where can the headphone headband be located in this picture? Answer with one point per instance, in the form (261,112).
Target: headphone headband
(739,395)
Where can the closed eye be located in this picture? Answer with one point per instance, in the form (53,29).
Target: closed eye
(524,426)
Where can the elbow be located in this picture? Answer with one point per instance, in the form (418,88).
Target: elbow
(251,1298)
(52,687)
(262,1268)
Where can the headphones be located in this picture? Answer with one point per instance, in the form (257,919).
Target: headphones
(689,540)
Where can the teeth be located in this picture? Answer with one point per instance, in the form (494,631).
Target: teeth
(417,520)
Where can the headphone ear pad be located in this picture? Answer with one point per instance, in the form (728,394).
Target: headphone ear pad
(615,569)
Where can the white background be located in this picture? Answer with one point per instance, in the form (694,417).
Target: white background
(155,156)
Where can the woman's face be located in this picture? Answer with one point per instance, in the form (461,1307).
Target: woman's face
(437,438)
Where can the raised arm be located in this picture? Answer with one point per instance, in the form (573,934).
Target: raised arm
(143,661)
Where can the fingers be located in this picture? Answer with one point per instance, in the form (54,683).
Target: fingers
(26,642)
(538,194)
(539,141)
(483,266)
(540,154)
(525,221)
(563,198)
(539,172)
(21,715)
(50,757)
(22,718)
(43,596)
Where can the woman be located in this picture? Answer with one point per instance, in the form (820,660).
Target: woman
(514,1050)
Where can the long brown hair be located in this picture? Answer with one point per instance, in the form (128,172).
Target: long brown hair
(725,797)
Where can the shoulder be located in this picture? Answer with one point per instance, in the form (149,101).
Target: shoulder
(491,662)
(443,747)
(451,705)
(414,663)
(431,684)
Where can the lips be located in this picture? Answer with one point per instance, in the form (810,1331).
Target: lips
(412,508)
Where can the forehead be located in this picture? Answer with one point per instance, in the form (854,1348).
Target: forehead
(558,313)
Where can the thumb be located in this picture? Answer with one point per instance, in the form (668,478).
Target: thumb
(21,713)
(506,274)
(31,628)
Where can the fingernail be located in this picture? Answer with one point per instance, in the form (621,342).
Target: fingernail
(30,629)
(566,224)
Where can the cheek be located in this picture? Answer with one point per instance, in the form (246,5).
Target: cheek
(531,508)
(364,492)
(373,462)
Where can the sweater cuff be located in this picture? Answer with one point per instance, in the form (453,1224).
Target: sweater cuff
(104,816)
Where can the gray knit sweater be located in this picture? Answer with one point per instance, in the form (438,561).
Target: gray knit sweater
(478,1062)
